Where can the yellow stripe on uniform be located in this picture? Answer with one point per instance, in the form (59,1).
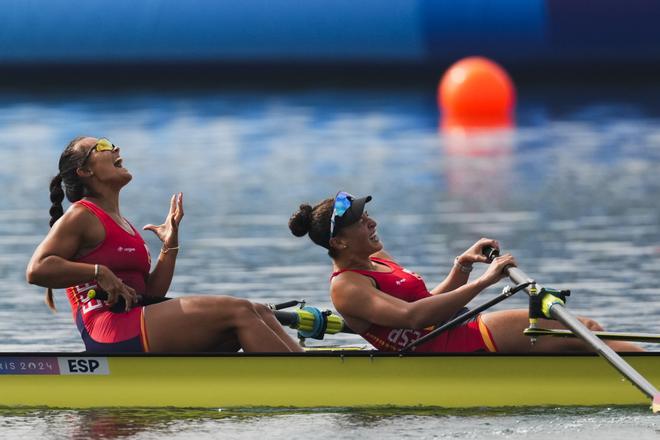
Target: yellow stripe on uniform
(143,333)
(485,334)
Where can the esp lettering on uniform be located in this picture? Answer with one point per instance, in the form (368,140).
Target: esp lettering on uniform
(403,336)
(88,304)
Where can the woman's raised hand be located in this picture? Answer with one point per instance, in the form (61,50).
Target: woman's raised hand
(168,232)
(495,271)
(475,253)
(115,288)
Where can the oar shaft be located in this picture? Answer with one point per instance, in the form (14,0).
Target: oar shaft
(610,336)
(286,318)
(519,277)
(559,312)
(562,315)
(516,275)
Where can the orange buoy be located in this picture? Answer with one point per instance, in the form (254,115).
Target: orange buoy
(476,91)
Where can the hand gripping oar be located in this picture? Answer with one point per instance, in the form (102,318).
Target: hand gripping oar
(552,307)
(120,305)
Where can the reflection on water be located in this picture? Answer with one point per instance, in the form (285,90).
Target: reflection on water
(395,423)
(572,191)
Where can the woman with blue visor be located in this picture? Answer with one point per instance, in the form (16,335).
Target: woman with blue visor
(391,307)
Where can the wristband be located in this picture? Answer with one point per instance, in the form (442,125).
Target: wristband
(464,269)
(166,249)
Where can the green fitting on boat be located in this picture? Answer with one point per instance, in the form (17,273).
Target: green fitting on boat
(306,320)
(335,324)
(547,302)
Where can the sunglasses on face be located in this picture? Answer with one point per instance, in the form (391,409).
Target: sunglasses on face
(343,201)
(102,145)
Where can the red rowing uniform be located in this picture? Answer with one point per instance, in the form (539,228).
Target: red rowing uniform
(127,256)
(408,286)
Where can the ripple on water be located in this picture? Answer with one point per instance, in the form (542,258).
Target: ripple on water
(572,192)
(389,423)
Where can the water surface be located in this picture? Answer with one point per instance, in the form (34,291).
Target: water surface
(572,191)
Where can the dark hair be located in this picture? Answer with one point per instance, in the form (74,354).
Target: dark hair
(70,160)
(314,221)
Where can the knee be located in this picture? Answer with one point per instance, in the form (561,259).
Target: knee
(242,311)
(242,306)
(263,310)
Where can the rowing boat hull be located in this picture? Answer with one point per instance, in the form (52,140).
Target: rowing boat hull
(318,379)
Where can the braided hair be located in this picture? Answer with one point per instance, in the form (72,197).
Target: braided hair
(74,189)
(70,160)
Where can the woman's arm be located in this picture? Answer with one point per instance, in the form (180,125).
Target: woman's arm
(160,278)
(354,296)
(51,265)
(460,271)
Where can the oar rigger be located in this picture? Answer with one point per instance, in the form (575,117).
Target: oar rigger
(310,322)
(540,303)
(553,307)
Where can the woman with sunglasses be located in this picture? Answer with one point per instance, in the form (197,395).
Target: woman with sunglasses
(93,247)
(391,307)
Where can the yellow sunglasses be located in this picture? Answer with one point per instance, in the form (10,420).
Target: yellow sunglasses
(102,145)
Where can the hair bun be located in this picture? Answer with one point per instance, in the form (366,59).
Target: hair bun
(301,220)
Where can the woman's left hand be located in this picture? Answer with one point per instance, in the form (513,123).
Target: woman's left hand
(475,253)
(168,232)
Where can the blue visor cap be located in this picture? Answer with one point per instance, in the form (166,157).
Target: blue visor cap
(348,210)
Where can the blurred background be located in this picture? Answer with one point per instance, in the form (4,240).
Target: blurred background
(251,108)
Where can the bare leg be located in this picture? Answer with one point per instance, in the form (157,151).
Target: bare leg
(202,323)
(507,328)
(269,318)
(229,344)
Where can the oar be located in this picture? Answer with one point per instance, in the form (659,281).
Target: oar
(556,310)
(309,321)
(312,322)
(120,305)
(612,336)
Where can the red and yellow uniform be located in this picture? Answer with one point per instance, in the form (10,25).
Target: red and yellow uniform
(127,256)
(408,286)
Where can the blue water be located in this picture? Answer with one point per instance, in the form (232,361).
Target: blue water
(572,191)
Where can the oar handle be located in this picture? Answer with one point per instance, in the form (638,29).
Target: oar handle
(120,305)
(490,252)
(516,275)
(287,304)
